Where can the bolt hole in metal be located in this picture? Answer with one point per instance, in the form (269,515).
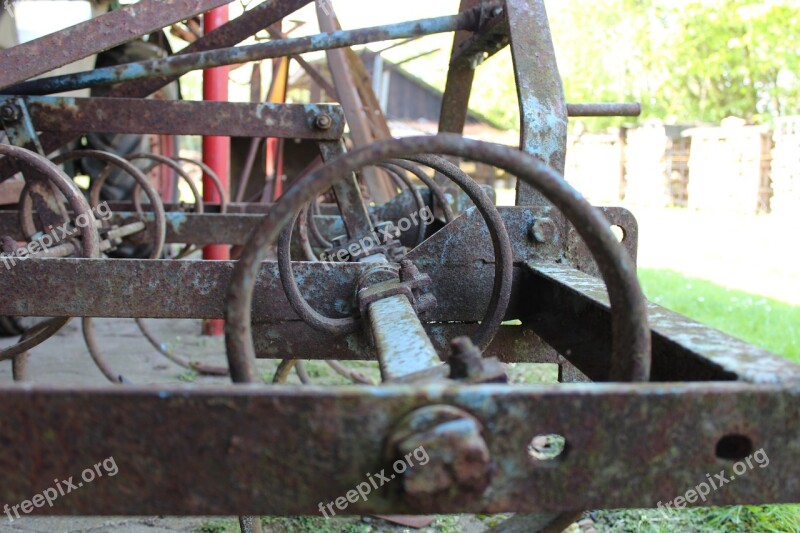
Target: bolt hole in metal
(619,233)
(734,447)
(547,447)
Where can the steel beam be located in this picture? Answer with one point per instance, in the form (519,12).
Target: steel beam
(543,107)
(458,88)
(175,117)
(402,344)
(255,450)
(571,312)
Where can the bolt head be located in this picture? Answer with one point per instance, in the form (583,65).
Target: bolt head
(459,466)
(9,112)
(323,122)
(543,231)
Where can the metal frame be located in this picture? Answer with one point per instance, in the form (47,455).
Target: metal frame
(236,450)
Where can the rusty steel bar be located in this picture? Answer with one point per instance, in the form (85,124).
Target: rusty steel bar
(200,229)
(604,110)
(683,350)
(106,31)
(543,108)
(403,345)
(458,87)
(143,288)
(165,289)
(274,340)
(178,117)
(182,64)
(348,195)
(665,437)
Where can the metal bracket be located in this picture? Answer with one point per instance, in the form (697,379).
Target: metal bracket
(387,280)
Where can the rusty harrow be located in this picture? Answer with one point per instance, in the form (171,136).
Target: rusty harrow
(649,401)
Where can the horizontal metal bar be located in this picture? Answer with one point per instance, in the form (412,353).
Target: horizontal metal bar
(234,208)
(42,55)
(604,110)
(129,115)
(194,228)
(571,312)
(161,289)
(184,63)
(202,229)
(139,288)
(458,256)
(284,450)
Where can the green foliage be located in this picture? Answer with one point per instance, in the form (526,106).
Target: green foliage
(218,526)
(758,519)
(189,376)
(494,94)
(685,60)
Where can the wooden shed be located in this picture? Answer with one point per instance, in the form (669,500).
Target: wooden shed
(729,168)
(786,166)
(656,165)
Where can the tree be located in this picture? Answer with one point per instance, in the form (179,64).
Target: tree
(686,60)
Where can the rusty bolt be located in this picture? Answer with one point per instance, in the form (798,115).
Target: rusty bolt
(466,360)
(324,122)
(9,112)
(543,231)
(467,364)
(458,468)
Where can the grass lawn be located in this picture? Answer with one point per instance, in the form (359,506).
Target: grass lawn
(765,322)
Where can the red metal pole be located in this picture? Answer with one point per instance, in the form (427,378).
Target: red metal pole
(216,151)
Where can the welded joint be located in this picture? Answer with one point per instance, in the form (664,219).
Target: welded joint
(490,38)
